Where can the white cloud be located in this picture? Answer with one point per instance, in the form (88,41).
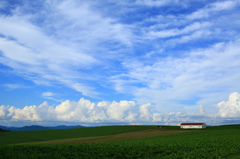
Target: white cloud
(230,108)
(36,55)
(85,111)
(47,94)
(3,4)
(87,91)
(176,32)
(182,28)
(156,3)
(145,113)
(214,7)
(90,25)
(225,5)
(63,47)
(200,34)
(4,110)
(121,111)
(171,80)
(202,109)
(50,95)
(81,111)
(14,86)
(38,48)
(27,113)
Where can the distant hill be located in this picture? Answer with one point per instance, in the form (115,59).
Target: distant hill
(2,130)
(37,127)
(7,128)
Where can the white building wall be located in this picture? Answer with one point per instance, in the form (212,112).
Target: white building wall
(203,126)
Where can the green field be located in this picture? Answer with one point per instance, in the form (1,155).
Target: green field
(15,137)
(214,142)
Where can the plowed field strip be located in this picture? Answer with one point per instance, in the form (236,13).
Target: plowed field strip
(117,137)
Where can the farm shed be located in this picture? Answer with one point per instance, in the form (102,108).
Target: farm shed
(193,126)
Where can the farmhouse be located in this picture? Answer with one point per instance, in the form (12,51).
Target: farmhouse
(193,126)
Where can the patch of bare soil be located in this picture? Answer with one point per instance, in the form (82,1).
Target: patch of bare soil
(117,137)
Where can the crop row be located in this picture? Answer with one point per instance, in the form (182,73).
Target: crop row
(200,144)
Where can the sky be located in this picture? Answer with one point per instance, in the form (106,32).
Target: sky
(132,62)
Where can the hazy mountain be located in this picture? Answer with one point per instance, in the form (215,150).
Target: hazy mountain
(38,127)
(7,128)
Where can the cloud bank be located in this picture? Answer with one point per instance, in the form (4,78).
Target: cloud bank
(123,112)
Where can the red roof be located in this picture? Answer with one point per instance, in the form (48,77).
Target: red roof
(192,123)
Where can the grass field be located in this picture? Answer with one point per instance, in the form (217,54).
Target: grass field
(15,137)
(215,142)
(152,132)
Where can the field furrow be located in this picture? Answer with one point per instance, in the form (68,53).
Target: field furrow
(118,137)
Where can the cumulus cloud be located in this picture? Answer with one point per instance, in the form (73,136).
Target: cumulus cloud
(82,111)
(230,108)
(72,111)
(121,111)
(146,112)
(4,111)
(202,109)
(85,111)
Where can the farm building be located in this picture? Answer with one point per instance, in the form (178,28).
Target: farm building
(193,126)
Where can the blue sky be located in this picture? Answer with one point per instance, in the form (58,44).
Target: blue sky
(94,62)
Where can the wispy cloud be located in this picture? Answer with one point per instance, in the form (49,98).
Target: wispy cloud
(214,7)
(184,78)
(47,94)
(176,32)
(156,3)
(50,95)
(66,53)
(3,5)
(15,86)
